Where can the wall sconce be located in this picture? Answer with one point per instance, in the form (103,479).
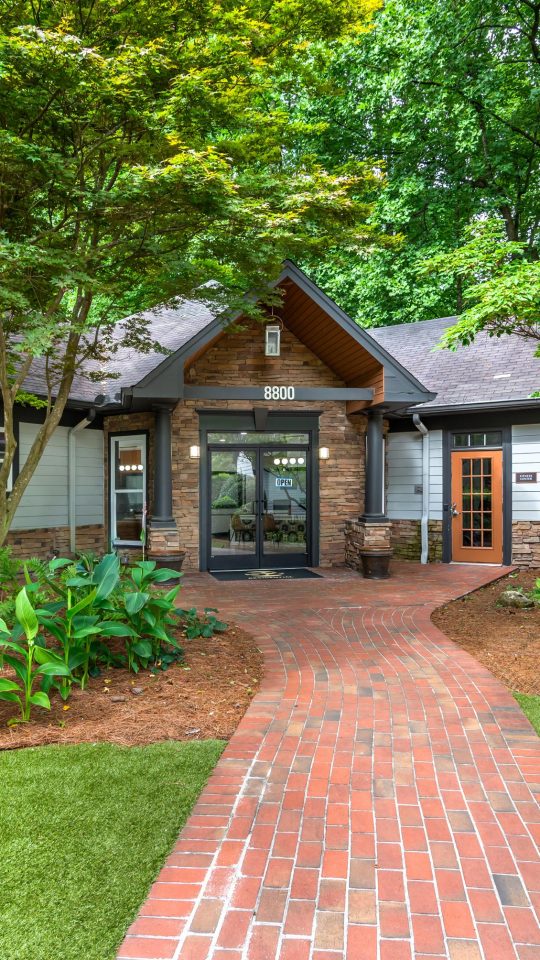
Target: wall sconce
(195,451)
(324,453)
(272,340)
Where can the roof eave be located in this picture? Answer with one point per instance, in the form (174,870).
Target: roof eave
(529,403)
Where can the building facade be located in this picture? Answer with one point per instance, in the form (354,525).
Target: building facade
(299,441)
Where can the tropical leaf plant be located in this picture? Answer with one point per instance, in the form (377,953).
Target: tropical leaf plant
(31,661)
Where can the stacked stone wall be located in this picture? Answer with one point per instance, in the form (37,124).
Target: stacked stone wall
(526,543)
(46,542)
(406,539)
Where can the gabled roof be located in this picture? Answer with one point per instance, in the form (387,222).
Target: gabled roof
(322,326)
(491,371)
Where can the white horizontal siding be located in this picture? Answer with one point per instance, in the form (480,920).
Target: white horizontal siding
(404,465)
(525,458)
(90,477)
(45,500)
(435,475)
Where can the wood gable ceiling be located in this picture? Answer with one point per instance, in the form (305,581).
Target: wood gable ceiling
(349,360)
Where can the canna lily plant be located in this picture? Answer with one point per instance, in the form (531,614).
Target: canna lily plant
(32,662)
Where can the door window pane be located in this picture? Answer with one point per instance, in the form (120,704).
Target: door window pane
(128,488)
(489,438)
(234,503)
(477,519)
(285,526)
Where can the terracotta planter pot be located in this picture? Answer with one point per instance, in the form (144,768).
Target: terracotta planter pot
(375,564)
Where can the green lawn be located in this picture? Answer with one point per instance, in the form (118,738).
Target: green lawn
(531,708)
(83,832)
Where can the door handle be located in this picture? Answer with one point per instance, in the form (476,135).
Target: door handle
(454,512)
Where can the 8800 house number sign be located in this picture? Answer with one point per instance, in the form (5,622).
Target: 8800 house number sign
(279,393)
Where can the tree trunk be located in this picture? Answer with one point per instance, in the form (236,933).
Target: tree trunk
(10,502)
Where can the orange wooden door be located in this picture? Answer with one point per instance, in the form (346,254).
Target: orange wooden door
(477,506)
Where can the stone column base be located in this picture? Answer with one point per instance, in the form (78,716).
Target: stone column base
(361,536)
(163,545)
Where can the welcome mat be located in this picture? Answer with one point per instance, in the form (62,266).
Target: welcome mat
(301,573)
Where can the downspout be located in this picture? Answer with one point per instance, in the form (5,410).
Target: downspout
(72,475)
(424,522)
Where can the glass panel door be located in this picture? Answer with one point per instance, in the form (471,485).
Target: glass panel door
(233,508)
(477,506)
(258,507)
(284,507)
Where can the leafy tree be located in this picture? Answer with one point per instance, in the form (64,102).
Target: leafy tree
(503,286)
(145,147)
(445,95)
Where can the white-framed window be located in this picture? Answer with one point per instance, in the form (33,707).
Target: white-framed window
(128,485)
(3,451)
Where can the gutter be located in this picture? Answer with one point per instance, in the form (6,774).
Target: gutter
(72,474)
(424,522)
(531,403)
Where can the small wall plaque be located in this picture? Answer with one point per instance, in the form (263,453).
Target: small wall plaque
(526,477)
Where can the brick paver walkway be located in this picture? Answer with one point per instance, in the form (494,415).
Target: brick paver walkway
(376,801)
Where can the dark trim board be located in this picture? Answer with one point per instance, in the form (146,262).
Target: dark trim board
(257,393)
(288,423)
(70,417)
(465,422)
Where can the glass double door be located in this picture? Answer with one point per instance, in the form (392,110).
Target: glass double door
(259,507)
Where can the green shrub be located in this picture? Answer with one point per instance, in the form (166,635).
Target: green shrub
(535,592)
(196,626)
(82,605)
(222,502)
(10,568)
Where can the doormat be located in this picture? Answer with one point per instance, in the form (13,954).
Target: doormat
(301,573)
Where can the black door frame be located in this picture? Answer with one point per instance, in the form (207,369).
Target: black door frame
(275,421)
(259,559)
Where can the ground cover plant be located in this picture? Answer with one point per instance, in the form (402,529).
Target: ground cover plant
(84,830)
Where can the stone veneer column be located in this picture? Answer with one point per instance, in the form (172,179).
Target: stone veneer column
(163,539)
(372,531)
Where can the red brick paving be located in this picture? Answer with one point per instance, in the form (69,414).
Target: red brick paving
(377,801)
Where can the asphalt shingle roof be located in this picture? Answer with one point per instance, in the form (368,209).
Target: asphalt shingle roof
(490,370)
(171,327)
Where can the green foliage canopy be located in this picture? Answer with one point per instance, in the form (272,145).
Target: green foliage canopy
(144,148)
(446,96)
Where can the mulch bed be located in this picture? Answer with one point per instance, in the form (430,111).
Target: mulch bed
(203,698)
(505,640)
